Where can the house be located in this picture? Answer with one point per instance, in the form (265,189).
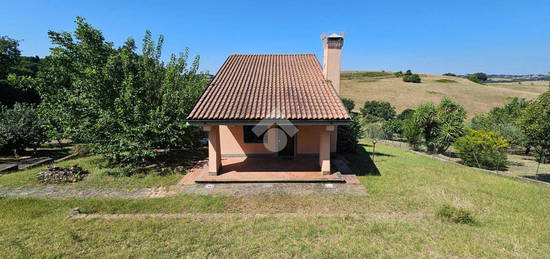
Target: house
(281,106)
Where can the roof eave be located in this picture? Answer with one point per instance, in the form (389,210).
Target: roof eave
(280,122)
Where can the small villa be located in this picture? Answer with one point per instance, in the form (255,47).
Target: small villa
(273,116)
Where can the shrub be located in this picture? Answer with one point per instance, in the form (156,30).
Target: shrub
(505,121)
(20,127)
(456,215)
(405,114)
(479,77)
(414,78)
(449,74)
(392,127)
(398,74)
(348,103)
(375,130)
(374,111)
(349,136)
(483,149)
(439,126)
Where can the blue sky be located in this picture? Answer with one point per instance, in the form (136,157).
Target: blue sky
(426,36)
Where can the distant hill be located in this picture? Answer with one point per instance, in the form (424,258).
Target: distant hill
(361,86)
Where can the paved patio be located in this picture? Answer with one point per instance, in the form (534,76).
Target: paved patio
(265,169)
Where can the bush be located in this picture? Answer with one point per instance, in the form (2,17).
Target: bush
(483,149)
(504,120)
(349,136)
(449,74)
(398,74)
(20,127)
(375,131)
(479,78)
(348,103)
(456,215)
(438,126)
(405,114)
(393,127)
(374,111)
(414,78)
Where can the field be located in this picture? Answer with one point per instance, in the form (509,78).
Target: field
(362,86)
(396,219)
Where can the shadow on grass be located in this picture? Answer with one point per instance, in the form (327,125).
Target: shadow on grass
(539,177)
(361,162)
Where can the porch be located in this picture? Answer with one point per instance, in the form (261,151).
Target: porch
(264,169)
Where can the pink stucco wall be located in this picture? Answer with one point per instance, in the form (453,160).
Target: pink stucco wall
(232,141)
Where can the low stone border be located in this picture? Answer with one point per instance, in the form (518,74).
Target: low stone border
(76,214)
(517,178)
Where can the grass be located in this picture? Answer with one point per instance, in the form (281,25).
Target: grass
(100,176)
(445,81)
(384,86)
(511,219)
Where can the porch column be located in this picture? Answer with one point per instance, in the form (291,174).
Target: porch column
(214,152)
(324,149)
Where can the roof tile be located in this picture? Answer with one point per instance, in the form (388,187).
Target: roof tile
(282,86)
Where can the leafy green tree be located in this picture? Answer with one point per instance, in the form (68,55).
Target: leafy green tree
(12,65)
(349,104)
(9,55)
(374,111)
(479,77)
(405,114)
(483,149)
(411,78)
(504,120)
(125,104)
(535,123)
(20,127)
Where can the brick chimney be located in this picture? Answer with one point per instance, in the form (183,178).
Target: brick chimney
(332,53)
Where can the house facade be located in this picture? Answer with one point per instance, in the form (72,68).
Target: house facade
(281,106)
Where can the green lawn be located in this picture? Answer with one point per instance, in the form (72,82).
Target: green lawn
(512,219)
(100,176)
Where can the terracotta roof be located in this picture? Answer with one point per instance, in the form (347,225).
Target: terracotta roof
(255,87)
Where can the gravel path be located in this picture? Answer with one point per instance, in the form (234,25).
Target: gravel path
(199,189)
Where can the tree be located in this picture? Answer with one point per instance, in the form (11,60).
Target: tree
(535,124)
(439,126)
(349,104)
(349,135)
(125,104)
(449,74)
(410,77)
(9,55)
(15,70)
(479,77)
(20,127)
(450,116)
(374,111)
(504,120)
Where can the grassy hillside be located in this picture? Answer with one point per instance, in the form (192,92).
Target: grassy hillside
(362,86)
(395,219)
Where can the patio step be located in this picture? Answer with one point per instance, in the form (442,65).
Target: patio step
(272,178)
